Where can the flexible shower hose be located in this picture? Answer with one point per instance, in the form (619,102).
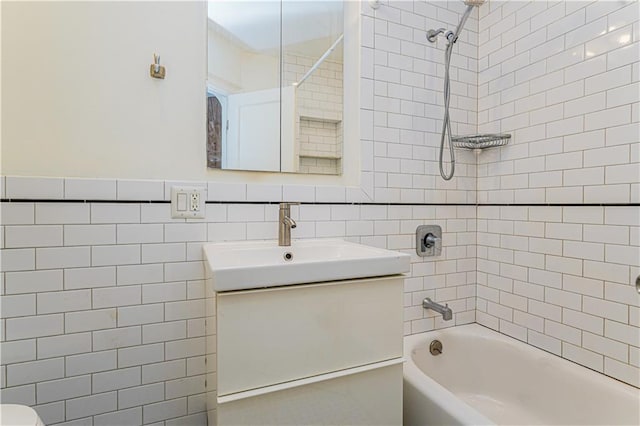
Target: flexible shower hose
(446,123)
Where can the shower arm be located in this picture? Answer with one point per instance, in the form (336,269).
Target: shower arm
(432,35)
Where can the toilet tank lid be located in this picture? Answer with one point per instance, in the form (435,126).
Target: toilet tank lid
(19,415)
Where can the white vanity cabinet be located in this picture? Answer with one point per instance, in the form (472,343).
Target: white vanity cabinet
(297,336)
(324,353)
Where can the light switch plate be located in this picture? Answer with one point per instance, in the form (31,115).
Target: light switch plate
(188,202)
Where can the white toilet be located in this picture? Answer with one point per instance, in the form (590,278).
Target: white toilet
(18,415)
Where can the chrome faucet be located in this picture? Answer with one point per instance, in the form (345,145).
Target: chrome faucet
(445,310)
(285,224)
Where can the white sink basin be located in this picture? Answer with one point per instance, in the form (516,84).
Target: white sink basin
(259,264)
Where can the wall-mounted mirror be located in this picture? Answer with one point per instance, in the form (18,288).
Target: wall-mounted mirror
(275,86)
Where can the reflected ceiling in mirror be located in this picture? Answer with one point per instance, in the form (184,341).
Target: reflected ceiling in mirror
(275,86)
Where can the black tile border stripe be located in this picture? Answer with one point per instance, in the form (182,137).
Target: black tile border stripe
(36,200)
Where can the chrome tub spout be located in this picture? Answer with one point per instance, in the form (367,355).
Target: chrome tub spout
(445,311)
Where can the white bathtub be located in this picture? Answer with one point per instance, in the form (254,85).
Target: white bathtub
(484,377)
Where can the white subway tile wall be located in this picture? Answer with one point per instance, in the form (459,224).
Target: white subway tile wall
(575,140)
(104,331)
(562,78)
(402,101)
(563,279)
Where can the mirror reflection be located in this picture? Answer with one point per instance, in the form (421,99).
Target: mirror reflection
(275,86)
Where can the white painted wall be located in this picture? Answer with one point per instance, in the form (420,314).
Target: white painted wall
(78,100)
(238,70)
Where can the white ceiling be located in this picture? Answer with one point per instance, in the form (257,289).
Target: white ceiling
(256,23)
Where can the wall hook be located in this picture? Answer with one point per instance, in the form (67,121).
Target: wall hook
(156,70)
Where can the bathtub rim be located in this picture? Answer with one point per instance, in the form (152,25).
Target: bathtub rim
(467,414)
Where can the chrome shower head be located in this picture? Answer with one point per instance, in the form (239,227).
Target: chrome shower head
(470,5)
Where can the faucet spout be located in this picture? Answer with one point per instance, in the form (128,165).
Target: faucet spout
(290,222)
(445,311)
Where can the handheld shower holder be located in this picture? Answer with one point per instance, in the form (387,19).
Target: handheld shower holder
(432,35)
